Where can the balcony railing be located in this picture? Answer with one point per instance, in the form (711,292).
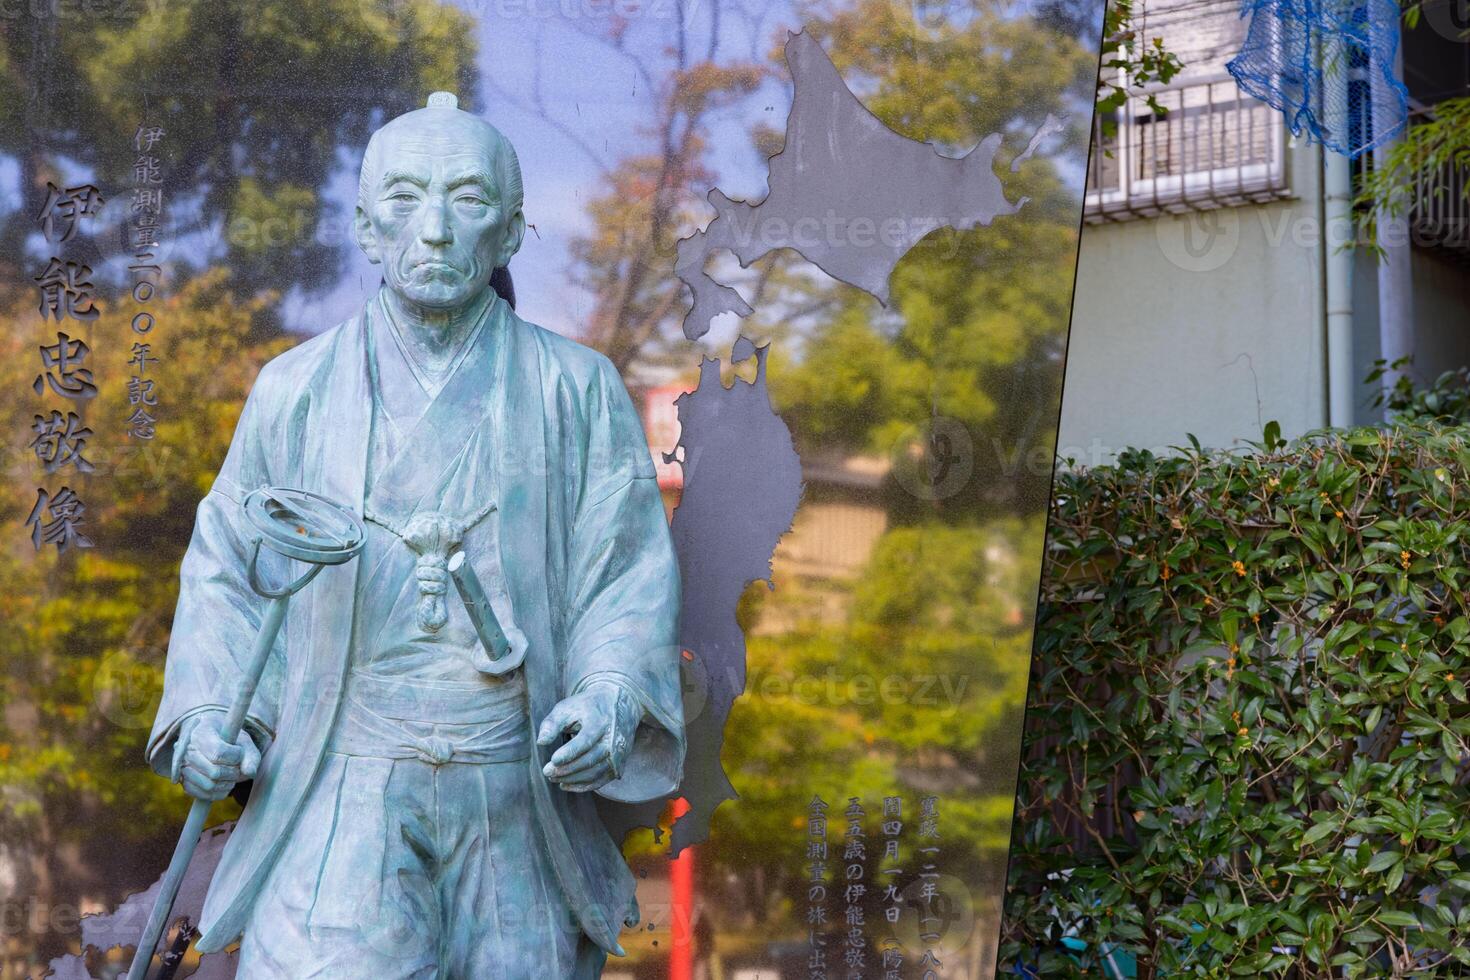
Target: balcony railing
(1214,147)
(1439,215)
(1439,211)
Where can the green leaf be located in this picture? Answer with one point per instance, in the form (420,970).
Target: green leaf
(1395,917)
(1321,830)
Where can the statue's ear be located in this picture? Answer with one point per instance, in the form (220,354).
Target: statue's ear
(515,233)
(362,230)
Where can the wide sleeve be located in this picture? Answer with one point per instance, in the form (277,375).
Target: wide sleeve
(218,614)
(624,591)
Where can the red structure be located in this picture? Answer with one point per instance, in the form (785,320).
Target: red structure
(661,426)
(681,914)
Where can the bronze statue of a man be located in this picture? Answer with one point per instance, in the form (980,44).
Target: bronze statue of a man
(422,807)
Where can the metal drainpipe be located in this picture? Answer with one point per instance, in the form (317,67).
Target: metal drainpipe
(1337,182)
(1395,269)
(1337,258)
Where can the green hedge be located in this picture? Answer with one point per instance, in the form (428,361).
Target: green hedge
(1445,399)
(1247,736)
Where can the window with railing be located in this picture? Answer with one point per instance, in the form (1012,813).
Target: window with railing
(1211,147)
(1438,201)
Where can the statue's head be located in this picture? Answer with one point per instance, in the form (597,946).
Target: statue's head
(439,204)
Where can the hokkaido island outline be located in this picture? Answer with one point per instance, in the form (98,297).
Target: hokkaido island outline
(846,192)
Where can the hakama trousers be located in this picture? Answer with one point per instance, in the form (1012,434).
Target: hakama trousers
(408,864)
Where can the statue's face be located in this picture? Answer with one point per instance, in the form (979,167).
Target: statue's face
(435,217)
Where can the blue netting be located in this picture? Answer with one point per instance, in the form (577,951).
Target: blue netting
(1327,65)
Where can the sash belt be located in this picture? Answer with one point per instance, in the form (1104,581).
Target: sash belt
(387,717)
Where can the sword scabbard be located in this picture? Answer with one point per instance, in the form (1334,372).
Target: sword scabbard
(477,604)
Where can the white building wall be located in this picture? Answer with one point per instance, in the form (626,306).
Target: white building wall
(1208,323)
(1212,322)
(1441,284)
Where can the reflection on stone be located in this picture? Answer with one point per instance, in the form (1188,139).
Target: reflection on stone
(834,197)
(742,484)
(121,927)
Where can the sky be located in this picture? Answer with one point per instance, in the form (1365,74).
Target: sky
(561,96)
(573,104)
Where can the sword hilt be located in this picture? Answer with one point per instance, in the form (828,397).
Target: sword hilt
(504,657)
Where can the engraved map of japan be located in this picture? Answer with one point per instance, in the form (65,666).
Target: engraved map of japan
(852,197)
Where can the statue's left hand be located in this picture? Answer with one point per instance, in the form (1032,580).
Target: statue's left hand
(602,719)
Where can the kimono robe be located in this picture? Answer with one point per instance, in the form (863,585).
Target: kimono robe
(533,439)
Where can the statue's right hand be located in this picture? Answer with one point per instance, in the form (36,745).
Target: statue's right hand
(206,764)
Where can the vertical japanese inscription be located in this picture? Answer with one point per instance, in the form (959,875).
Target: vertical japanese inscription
(66,295)
(892,949)
(931,922)
(144,215)
(816,892)
(855,873)
(59,438)
(921,920)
